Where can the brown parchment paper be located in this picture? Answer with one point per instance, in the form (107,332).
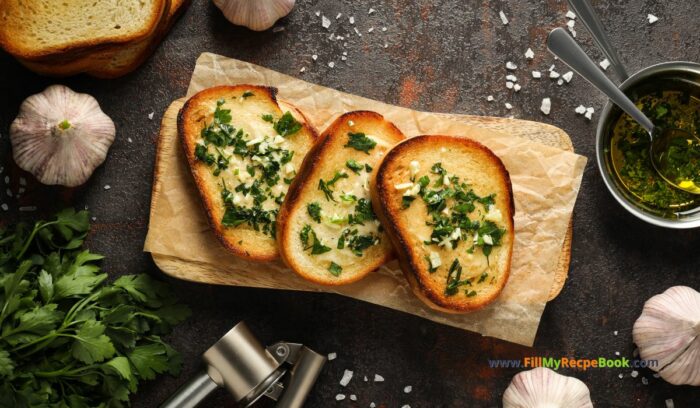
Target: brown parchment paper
(545,181)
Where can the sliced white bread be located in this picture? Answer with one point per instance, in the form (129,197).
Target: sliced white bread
(39,29)
(447,205)
(327,231)
(244,148)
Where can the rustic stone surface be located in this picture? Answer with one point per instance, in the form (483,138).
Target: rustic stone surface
(441,56)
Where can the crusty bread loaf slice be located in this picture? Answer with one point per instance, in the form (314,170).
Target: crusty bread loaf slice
(327,231)
(39,29)
(447,205)
(114,61)
(244,149)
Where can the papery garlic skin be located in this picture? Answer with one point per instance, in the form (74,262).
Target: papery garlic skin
(543,388)
(668,330)
(258,15)
(61,136)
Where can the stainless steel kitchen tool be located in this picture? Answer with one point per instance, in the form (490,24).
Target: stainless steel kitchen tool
(284,372)
(585,13)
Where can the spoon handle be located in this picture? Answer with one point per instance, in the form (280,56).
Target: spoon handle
(561,44)
(590,19)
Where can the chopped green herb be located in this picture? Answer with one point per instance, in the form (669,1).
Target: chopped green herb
(453,279)
(221,116)
(325,186)
(268,118)
(368,168)
(314,210)
(247,94)
(471,293)
(354,166)
(287,125)
(483,277)
(359,141)
(359,243)
(348,198)
(307,234)
(363,212)
(201,154)
(335,269)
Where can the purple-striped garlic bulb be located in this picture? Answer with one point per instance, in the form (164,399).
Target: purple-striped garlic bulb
(544,388)
(61,136)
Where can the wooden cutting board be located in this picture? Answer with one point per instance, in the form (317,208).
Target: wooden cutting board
(193,271)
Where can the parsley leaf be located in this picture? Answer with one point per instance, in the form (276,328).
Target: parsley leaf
(91,344)
(287,125)
(268,118)
(335,269)
(247,94)
(307,234)
(359,141)
(354,166)
(314,210)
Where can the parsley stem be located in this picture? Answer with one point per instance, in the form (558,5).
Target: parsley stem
(37,227)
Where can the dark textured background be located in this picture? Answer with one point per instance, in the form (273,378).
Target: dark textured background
(441,56)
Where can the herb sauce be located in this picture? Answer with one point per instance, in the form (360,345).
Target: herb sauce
(630,150)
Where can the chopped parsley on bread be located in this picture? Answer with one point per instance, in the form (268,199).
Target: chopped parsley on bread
(327,230)
(244,148)
(446,203)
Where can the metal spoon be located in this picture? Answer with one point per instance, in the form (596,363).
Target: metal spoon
(589,18)
(666,144)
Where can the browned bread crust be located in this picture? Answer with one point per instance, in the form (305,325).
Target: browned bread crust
(329,155)
(242,240)
(460,156)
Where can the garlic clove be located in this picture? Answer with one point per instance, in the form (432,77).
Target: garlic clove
(61,136)
(258,15)
(543,388)
(668,330)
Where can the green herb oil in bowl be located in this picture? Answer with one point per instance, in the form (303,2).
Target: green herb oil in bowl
(629,151)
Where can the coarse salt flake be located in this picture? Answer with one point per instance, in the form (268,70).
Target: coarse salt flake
(369,30)
(571,23)
(568,76)
(353,397)
(314,57)
(325,22)
(371,10)
(378,378)
(652,18)
(509,106)
(669,403)
(516,87)
(303,69)
(560,82)
(620,376)
(511,78)
(553,74)
(634,373)
(511,65)
(546,106)
(529,54)
(107,187)
(4,207)
(536,74)
(331,64)
(509,85)
(581,110)
(347,376)
(504,19)
(351,19)
(150,115)
(332,356)
(570,15)
(340,397)
(338,15)
(489,98)
(604,64)
(407,389)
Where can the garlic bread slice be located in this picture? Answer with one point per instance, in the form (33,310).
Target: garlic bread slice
(244,149)
(447,205)
(327,230)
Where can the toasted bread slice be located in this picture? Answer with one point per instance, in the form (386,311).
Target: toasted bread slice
(327,231)
(37,29)
(114,61)
(253,149)
(447,205)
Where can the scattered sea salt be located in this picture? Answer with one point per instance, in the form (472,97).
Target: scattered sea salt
(511,78)
(107,187)
(560,82)
(347,376)
(366,379)
(351,19)
(652,18)
(504,19)
(615,333)
(318,13)
(617,353)
(353,397)
(509,106)
(407,389)
(369,30)
(8,192)
(546,106)
(378,378)
(489,98)
(406,406)
(516,88)
(303,69)
(589,116)
(314,57)
(568,76)
(343,58)
(150,115)
(571,23)
(511,66)
(370,11)
(645,381)
(604,64)
(372,405)
(634,373)
(529,54)
(581,110)
(4,207)
(551,68)
(94,218)
(536,74)
(570,15)
(325,22)
(669,403)
(509,85)
(357,32)
(384,28)
(332,356)
(338,16)
(331,64)
(620,376)
(553,74)
(340,397)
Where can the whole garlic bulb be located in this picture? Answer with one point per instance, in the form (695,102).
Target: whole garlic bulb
(543,388)
(61,136)
(258,15)
(668,330)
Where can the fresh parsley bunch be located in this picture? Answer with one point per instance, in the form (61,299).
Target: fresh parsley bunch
(67,339)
